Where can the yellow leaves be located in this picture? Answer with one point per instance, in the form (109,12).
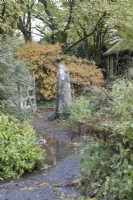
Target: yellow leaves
(42,184)
(84,74)
(37,49)
(31,188)
(41,74)
(42,58)
(56,185)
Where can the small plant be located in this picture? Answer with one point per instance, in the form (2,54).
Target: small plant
(18,148)
(80,109)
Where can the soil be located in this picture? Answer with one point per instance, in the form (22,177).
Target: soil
(59,181)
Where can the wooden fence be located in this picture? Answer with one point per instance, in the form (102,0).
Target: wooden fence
(28,95)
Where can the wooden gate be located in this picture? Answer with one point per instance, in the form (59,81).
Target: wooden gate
(28,95)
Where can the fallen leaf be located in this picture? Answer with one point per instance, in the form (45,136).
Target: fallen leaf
(75,144)
(56,185)
(42,184)
(31,188)
(22,188)
(45,167)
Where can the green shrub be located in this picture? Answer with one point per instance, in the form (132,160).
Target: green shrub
(107,162)
(81,109)
(13,75)
(18,148)
(86,112)
(107,170)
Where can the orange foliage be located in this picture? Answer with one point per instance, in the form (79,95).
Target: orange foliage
(44,58)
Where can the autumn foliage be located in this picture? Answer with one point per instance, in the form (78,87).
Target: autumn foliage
(44,59)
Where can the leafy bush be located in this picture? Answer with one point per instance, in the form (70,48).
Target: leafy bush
(107,162)
(107,170)
(44,58)
(88,109)
(18,148)
(80,109)
(13,74)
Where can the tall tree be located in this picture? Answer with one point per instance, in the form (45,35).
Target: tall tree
(74,22)
(121,18)
(57,18)
(25,21)
(89,26)
(70,22)
(9,15)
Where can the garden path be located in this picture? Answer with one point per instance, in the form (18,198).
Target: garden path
(57,182)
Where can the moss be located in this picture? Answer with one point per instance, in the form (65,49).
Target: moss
(119,46)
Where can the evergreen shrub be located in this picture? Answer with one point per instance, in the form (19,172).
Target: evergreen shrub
(19,152)
(13,74)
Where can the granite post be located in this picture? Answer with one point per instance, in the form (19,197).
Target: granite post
(63,92)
